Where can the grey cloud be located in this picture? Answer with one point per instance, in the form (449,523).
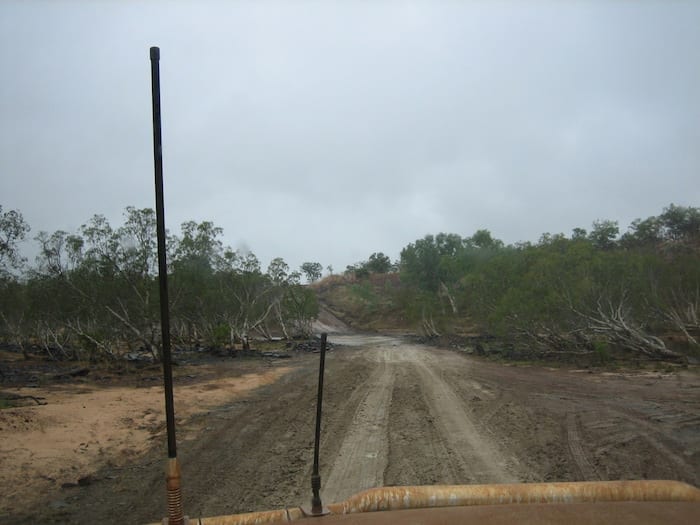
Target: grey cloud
(325,132)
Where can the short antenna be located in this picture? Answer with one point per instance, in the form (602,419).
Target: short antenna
(317,508)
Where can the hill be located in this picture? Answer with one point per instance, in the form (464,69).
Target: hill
(378,302)
(365,304)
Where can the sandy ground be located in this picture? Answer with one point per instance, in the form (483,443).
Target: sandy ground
(83,428)
(394,414)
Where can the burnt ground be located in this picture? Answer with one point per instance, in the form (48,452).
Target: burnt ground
(396,413)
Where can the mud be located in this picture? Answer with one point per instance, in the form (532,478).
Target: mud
(394,413)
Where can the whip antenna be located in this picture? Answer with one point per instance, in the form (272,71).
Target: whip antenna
(175,513)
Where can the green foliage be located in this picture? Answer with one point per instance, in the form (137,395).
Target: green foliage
(13,229)
(221,335)
(680,223)
(579,234)
(359,270)
(602,351)
(94,294)
(364,292)
(556,291)
(378,263)
(483,239)
(603,234)
(312,270)
(198,248)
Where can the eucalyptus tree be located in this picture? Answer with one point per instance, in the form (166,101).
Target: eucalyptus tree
(197,256)
(13,308)
(279,278)
(93,294)
(13,229)
(299,305)
(312,270)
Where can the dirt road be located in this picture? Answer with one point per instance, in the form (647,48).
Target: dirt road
(371,445)
(396,414)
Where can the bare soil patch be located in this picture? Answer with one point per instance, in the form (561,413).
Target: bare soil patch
(86,425)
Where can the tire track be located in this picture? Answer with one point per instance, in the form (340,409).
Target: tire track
(478,458)
(573,441)
(418,455)
(363,456)
(656,439)
(339,410)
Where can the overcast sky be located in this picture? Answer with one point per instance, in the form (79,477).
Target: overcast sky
(325,131)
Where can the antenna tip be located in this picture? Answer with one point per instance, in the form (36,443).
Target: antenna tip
(155,53)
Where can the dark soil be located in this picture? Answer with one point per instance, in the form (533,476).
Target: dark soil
(540,424)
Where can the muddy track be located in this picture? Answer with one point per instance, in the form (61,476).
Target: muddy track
(574,441)
(478,455)
(470,455)
(649,433)
(410,416)
(362,458)
(396,414)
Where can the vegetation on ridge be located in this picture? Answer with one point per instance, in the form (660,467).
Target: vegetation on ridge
(590,293)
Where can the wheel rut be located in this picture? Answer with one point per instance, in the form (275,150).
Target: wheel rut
(479,458)
(574,442)
(418,453)
(428,435)
(363,455)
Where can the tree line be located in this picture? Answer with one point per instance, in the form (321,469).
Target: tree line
(591,292)
(93,294)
